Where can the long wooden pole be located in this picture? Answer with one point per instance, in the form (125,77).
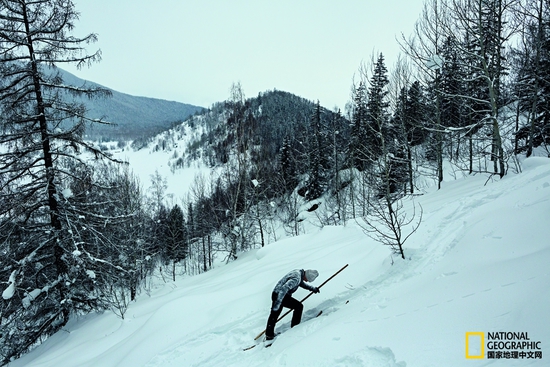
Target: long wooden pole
(306,297)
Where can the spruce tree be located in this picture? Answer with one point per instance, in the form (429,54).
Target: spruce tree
(415,111)
(377,110)
(357,148)
(175,237)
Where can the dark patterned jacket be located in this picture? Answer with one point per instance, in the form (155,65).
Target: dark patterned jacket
(288,285)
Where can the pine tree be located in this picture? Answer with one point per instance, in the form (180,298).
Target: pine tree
(377,110)
(409,119)
(415,110)
(316,183)
(288,166)
(41,137)
(533,78)
(357,148)
(175,237)
(452,94)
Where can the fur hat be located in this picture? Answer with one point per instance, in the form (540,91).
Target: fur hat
(311,275)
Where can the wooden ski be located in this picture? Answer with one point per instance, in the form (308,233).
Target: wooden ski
(269,345)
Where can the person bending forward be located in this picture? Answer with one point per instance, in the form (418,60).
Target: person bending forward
(282,297)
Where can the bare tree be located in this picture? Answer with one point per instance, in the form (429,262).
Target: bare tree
(202,220)
(389,224)
(423,47)
(483,22)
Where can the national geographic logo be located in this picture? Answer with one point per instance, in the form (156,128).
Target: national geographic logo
(502,345)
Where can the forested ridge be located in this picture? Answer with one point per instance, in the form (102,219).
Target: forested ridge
(78,235)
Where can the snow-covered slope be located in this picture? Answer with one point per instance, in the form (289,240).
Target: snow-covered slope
(167,155)
(134,116)
(479,263)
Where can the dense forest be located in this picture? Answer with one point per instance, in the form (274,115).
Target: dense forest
(78,235)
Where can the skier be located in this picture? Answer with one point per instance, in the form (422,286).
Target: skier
(282,297)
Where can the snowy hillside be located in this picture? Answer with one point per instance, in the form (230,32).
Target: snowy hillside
(479,263)
(134,116)
(165,154)
(208,139)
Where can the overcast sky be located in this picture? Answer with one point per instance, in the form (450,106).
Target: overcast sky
(191,51)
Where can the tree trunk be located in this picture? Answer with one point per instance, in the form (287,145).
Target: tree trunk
(261,231)
(61,267)
(204,266)
(410,168)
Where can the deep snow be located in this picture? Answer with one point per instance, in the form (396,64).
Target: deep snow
(479,262)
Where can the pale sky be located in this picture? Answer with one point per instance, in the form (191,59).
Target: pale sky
(191,51)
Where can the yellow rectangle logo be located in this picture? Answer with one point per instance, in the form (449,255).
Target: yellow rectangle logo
(474,335)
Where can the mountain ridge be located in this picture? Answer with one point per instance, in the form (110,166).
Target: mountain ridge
(131,116)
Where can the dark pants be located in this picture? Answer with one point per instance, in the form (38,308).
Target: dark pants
(288,302)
